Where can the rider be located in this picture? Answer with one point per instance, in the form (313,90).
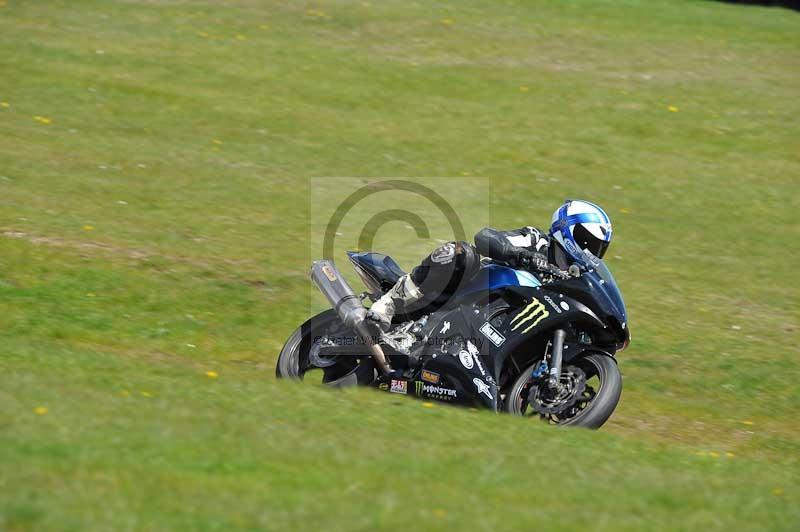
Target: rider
(576,225)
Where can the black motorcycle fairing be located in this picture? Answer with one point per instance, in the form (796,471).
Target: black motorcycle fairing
(468,386)
(482,335)
(486,320)
(588,287)
(530,325)
(451,346)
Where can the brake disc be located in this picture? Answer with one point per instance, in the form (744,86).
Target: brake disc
(572,384)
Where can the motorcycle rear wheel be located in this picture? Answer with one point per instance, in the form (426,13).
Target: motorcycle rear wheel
(297,359)
(591,410)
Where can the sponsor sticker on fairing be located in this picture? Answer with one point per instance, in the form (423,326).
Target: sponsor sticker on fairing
(491,333)
(430,376)
(434,392)
(530,316)
(478,363)
(552,304)
(399,386)
(471,358)
(466,359)
(482,387)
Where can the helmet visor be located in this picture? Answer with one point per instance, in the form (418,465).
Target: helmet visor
(586,240)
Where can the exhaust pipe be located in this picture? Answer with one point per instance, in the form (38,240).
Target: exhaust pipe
(348,306)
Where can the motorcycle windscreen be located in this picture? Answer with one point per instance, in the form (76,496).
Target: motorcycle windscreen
(607,284)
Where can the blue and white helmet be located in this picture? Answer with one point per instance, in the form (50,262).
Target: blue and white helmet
(578,225)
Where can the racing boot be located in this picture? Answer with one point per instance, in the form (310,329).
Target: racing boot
(403,293)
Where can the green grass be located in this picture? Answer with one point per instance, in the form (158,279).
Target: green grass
(137,254)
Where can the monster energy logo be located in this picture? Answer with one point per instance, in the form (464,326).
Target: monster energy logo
(535,311)
(437,392)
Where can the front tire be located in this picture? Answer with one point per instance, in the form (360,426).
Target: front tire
(591,410)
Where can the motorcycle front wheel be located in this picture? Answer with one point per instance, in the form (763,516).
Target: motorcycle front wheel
(591,386)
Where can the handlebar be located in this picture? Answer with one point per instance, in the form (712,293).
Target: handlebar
(558,272)
(538,263)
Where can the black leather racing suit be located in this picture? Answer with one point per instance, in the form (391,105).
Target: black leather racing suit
(519,247)
(441,272)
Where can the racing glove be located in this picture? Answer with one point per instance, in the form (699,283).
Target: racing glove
(537,261)
(533,260)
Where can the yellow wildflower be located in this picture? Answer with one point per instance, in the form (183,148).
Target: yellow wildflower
(40,410)
(146,394)
(42,119)
(5,104)
(672,109)
(88,228)
(427,405)
(216,141)
(747,422)
(624,211)
(211,374)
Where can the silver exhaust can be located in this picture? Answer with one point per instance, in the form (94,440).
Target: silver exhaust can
(348,306)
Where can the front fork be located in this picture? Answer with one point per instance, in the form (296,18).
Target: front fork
(556,360)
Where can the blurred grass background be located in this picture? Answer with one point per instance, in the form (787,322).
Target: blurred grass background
(155,215)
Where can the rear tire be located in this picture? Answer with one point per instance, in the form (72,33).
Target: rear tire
(599,408)
(289,361)
(295,361)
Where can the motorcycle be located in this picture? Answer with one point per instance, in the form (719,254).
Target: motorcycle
(507,340)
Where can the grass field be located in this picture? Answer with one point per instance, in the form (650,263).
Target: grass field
(155,159)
